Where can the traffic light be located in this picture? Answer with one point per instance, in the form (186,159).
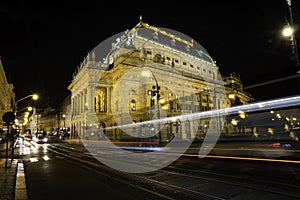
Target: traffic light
(153,97)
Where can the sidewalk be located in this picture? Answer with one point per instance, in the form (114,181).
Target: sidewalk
(12,177)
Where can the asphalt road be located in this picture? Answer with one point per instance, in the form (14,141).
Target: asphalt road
(67,175)
(50,176)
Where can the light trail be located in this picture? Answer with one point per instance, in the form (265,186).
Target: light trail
(254,159)
(252,107)
(272,81)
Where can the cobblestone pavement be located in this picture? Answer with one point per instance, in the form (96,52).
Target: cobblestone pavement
(12,177)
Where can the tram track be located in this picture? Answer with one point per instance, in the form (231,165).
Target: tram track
(159,189)
(175,182)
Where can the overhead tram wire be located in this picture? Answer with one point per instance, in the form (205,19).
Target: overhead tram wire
(272,81)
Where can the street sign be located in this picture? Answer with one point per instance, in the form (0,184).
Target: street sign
(8,117)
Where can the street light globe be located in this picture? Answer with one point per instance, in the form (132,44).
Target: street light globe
(287,31)
(35,96)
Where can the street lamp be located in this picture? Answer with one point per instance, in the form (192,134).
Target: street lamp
(25,115)
(64,118)
(34,97)
(149,73)
(289,31)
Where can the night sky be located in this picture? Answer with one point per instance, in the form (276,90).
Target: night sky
(42,43)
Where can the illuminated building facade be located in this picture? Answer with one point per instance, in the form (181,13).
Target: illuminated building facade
(7,95)
(148,74)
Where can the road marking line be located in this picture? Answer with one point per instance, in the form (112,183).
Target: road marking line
(21,190)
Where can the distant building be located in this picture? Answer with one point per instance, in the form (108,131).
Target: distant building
(7,95)
(146,67)
(52,120)
(235,91)
(64,115)
(236,96)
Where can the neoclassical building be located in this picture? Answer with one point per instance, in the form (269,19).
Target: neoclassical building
(7,95)
(149,82)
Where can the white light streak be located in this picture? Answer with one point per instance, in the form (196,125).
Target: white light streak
(33,159)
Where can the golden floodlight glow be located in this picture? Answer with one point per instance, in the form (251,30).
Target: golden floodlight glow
(234,122)
(231,96)
(242,114)
(162,101)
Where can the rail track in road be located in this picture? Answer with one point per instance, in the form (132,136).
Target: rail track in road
(190,178)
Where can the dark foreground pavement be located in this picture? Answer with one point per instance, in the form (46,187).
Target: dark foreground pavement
(12,177)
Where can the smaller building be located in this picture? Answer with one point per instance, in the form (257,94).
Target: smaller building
(52,120)
(235,91)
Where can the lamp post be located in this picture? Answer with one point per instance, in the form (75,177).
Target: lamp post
(25,115)
(64,118)
(148,73)
(289,31)
(34,97)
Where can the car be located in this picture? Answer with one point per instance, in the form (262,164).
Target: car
(51,137)
(41,138)
(27,136)
(64,135)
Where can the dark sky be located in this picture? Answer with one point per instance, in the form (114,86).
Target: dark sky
(42,42)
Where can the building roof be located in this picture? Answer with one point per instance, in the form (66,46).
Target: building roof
(172,39)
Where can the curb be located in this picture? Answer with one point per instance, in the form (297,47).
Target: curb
(20,189)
